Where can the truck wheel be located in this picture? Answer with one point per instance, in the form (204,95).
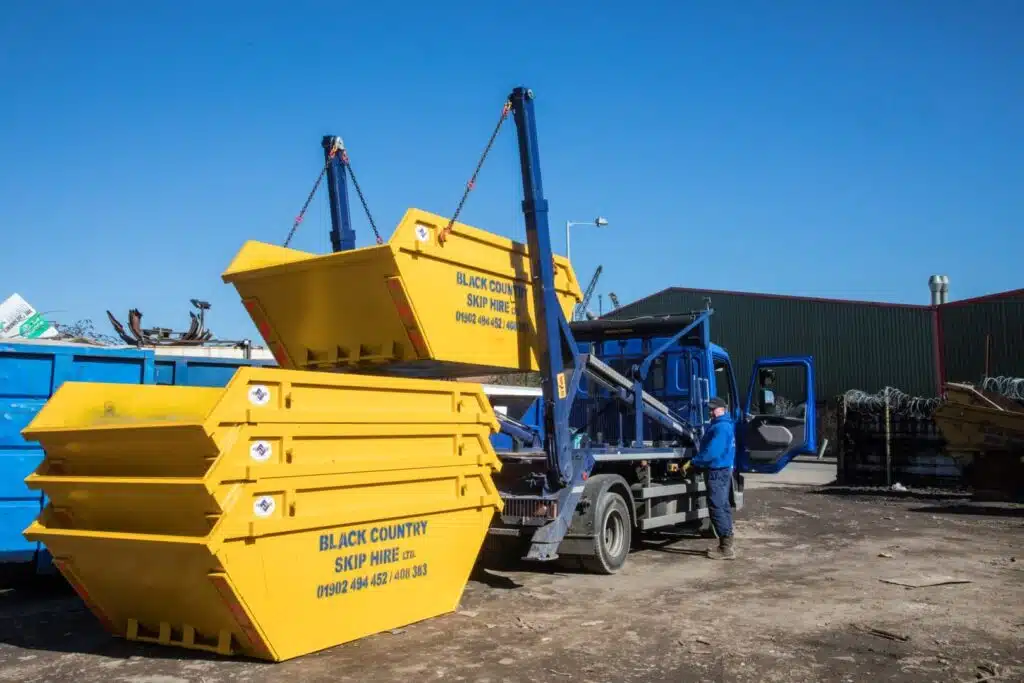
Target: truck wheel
(613,533)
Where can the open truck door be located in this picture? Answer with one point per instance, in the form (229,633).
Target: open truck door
(779,421)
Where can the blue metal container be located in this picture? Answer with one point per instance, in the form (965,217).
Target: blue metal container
(195,371)
(30,372)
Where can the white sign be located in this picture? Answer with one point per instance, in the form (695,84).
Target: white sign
(422,233)
(264,506)
(259,395)
(260,451)
(19,319)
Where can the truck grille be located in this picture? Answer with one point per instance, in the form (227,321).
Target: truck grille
(530,507)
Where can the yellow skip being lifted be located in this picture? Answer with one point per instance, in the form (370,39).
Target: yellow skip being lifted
(411,306)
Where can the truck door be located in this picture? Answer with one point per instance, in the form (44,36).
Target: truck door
(779,422)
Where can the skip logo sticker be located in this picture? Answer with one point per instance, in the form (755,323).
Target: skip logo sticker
(422,233)
(259,395)
(260,451)
(264,506)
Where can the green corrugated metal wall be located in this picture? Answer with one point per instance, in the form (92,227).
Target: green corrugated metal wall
(966,325)
(855,345)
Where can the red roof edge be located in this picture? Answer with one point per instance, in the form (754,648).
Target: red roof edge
(787,297)
(986,297)
(816,299)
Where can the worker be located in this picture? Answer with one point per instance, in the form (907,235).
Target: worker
(716,457)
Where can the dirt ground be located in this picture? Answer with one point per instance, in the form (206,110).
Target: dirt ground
(798,605)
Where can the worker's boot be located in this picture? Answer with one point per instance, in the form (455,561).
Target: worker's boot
(724,551)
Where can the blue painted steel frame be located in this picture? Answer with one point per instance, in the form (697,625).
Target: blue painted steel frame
(702,321)
(810,445)
(343,237)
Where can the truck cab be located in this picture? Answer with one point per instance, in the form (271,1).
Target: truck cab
(771,429)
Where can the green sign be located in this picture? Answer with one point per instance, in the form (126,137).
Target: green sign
(34,327)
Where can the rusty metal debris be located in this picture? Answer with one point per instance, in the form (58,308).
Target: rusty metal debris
(137,335)
(882,633)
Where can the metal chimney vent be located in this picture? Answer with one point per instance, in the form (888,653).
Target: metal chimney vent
(939,286)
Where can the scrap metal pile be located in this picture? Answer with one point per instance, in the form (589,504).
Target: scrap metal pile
(136,335)
(897,402)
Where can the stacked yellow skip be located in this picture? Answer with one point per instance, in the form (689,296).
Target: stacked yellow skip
(288,512)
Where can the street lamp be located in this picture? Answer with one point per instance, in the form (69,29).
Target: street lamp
(598,222)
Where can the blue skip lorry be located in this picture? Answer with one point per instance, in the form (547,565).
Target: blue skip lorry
(610,463)
(623,403)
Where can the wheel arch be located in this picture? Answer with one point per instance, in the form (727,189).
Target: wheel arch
(596,486)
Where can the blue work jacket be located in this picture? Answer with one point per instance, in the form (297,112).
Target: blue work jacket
(718,445)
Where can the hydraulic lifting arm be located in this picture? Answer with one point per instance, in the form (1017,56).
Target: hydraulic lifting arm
(559,372)
(343,237)
(339,170)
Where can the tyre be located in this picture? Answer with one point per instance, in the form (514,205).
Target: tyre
(613,532)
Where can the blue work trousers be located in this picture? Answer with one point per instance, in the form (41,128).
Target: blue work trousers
(719,480)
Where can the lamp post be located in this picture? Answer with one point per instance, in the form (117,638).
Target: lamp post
(598,222)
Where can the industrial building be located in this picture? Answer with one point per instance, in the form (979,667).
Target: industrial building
(861,344)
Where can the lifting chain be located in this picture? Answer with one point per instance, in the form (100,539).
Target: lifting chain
(443,235)
(316,185)
(362,199)
(302,213)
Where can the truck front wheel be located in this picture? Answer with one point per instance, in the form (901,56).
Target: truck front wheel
(612,535)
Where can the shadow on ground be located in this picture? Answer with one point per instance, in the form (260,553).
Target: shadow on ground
(46,615)
(941,502)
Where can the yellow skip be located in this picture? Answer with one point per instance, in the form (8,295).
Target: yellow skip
(289,512)
(412,305)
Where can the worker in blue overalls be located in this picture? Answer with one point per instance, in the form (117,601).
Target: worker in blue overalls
(716,457)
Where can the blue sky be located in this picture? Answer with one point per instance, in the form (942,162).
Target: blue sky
(843,149)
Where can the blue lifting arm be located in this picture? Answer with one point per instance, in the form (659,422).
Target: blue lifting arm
(558,366)
(339,171)
(343,237)
(521,434)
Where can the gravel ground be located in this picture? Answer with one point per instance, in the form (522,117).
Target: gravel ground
(804,602)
